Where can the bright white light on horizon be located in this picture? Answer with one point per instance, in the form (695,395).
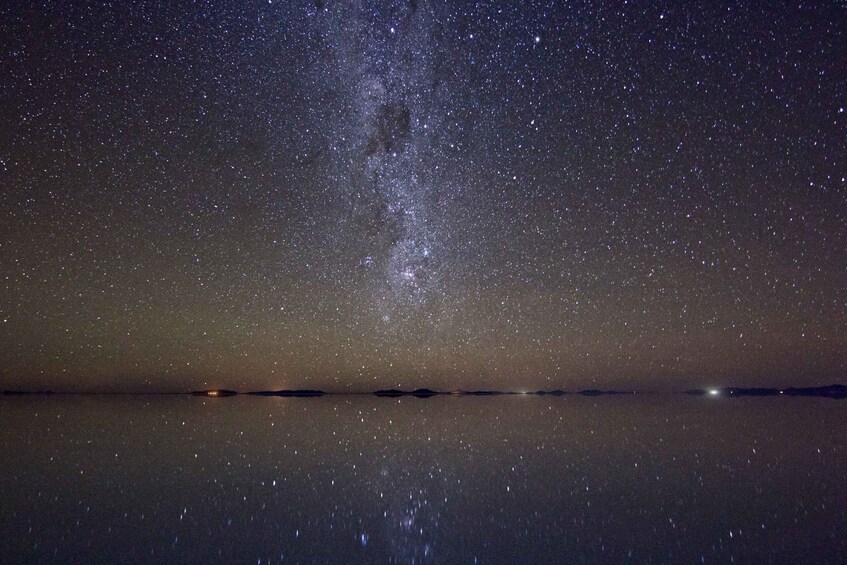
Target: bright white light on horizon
(714,392)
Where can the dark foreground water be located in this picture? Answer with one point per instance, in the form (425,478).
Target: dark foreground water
(360,479)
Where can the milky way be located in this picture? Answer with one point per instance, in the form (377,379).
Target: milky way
(356,195)
(390,121)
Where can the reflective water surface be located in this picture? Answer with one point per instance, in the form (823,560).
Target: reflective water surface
(656,478)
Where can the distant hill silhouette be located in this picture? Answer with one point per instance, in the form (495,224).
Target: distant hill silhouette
(753,391)
(418,393)
(390,393)
(829,391)
(303,393)
(595,392)
(214,393)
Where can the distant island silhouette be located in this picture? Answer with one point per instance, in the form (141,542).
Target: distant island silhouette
(394,393)
(298,393)
(214,393)
(594,392)
(829,391)
(837,391)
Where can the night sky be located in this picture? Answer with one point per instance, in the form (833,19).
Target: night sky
(360,195)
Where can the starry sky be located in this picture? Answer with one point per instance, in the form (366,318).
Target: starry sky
(360,195)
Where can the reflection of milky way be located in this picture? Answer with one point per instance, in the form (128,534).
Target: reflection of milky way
(412,520)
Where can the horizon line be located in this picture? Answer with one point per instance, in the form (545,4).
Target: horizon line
(832,390)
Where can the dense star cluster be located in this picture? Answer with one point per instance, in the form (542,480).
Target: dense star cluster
(354,195)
